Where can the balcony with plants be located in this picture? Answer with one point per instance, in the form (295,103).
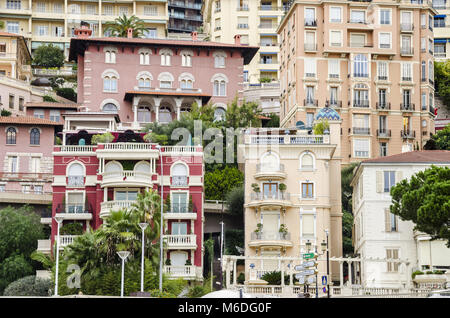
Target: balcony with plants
(260,238)
(279,198)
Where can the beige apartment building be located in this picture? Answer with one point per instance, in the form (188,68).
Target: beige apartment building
(15,58)
(256,21)
(54,21)
(441,30)
(371,61)
(292,195)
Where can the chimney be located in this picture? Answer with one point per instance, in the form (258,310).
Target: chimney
(237,39)
(83,33)
(130,33)
(194,36)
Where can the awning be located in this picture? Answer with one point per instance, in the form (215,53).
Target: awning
(268,53)
(441,40)
(268,70)
(439,16)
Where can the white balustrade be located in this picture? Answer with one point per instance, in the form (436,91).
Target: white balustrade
(66,239)
(180,240)
(287,139)
(127,176)
(116,205)
(179,149)
(128,146)
(77,148)
(179,271)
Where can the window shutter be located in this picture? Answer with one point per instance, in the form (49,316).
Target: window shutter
(387,220)
(388,256)
(379,181)
(395,256)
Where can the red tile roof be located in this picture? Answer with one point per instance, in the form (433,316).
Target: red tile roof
(2,33)
(51,105)
(27,120)
(423,156)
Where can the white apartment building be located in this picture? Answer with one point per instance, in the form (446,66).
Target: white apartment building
(378,234)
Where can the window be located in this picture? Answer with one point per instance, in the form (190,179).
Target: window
(335,38)
(310,95)
(90,9)
(11,101)
(309,119)
(360,66)
(21,101)
(35,164)
(406,72)
(382,70)
(424,101)
(74,8)
(144,115)
(242,23)
(110,56)
(55,115)
(108,9)
(179,175)
(310,67)
(383,149)
(357,40)
(110,84)
(219,59)
(385,16)
(385,40)
(389,180)
(165,58)
(423,69)
(179,202)
(75,175)
(11,136)
(406,95)
(382,98)
(219,88)
(150,33)
(333,68)
(144,83)
(126,195)
(307,225)
(38,189)
(357,16)
(431,71)
(12,27)
(123,10)
(439,22)
(219,114)
(310,17)
(144,58)
(151,10)
(13,4)
(186,59)
(423,45)
(40,7)
(360,96)
(165,115)
(335,14)
(165,80)
(35,135)
(38,113)
(75,202)
(423,21)
(58,8)
(13,164)
(361,148)
(392,254)
(307,161)
(333,96)
(179,228)
(2,188)
(186,84)
(390,221)
(109,108)
(307,190)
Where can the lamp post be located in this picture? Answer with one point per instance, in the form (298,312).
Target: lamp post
(123,255)
(161,225)
(58,220)
(143,226)
(325,248)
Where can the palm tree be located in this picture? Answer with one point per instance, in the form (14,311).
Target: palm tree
(120,26)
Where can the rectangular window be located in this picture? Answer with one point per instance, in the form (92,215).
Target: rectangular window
(357,40)
(390,221)
(382,98)
(385,16)
(383,149)
(307,190)
(42,30)
(361,148)
(179,228)
(57,8)
(389,180)
(150,33)
(75,203)
(406,72)
(13,164)
(126,195)
(55,115)
(382,70)
(35,164)
(309,119)
(21,101)
(40,7)
(333,68)
(151,10)
(392,254)
(11,101)
(12,27)
(424,101)
(108,9)
(13,4)
(179,202)
(385,40)
(335,38)
(357,16)
(310,67)
(123,10)
(310,16)
(335,14)
(307,225)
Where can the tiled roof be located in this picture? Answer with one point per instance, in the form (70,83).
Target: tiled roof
(27,120)
(51,105)
(78,45)
(2,33)
(423,156)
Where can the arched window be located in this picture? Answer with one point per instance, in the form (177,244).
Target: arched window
(187,84)
(179,175)
(110,108)
(219,114)
(110,56)
(75,175)
(142,167)
(144,80)
(270,162)
(144,58)
(186,58)
(35,136)
(219,85)
(110,83)
(144,115)
(112,169)
(360,66)
(165,80)
(165,56)
(219,59)
(186,81)
(307,161)
(165,115)
(11,136)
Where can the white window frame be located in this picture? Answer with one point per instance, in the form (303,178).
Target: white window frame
(340,15)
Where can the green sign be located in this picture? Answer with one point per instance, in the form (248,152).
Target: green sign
(308,255)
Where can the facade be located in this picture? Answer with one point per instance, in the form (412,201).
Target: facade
(49,110)
(267,95)
(441,30)
(380,234)
(372,61)
(185,16)
(147,80)
(42,22)
(298,197)
(15,58)
(26,151)
(256,22)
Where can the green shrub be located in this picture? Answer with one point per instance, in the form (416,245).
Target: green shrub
(67,92)
(48,98)
(28,286)
(241,278)
(196,291)
(163,294)
(72,229)
(265,80)
(5,113)
(274,278)
(102,138)
(320,127)
(414,274)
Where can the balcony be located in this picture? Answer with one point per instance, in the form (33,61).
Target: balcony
(383,133)
(361,131)
(65,240)
(287,140)
(277,199)
(310,47)
(361,103)
(82,211)
(181,241)
(25,176)
(18,196)
(311,23)
(383,106)
(278,239)
(408,107)
(406,51)
(108,206)
(408,134)
(187,271)
(310,103)
(406,27)
(406,78)
(242,8)
(75,149)
(127,150)
(179,211)
(44,246)
(273,172)
(334,103)
(179,181)
(75,181)
(127,178)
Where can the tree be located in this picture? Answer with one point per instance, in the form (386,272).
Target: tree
(28,286)
(20,229)
(48,98)
(235,200)
(5,113)
(442,81)
(120,26)
(320,127)
(347,209)
(221,181)
(273,122)
(48,55)
(66,92)
(425,200)
(243,115)
(440,140)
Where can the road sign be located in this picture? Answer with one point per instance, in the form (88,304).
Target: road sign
(301,278)
(324,289)
(307,272)
(309,264)
(308,255)
(324,280)
(299,267)
(309,279)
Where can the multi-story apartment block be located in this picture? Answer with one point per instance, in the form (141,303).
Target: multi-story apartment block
(256,22)
(49,110)
(26,151)
(15,58)
(267,95)
(441,30)
(184,15)
(372,61)
(292,195)
(379,234)
(148,80)
(54,21)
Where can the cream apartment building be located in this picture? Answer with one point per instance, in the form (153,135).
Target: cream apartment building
(379,234)
(54,21)
(441,30)
(256,22)
(371,61)
(298,195)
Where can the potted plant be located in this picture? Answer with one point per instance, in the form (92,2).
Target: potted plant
(258,230)
(168,263)
(283,230)
(188,262)
(256,188)
(282,187)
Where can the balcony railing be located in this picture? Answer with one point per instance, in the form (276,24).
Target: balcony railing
(75,181)
(116,205)
(311,102)
(361,130)
(310,47)
(65,240)
(75,208)
(127,176)
(180,240)
(406,27)
(382,78)
(179,180)
(406,50)
(383,105)
(127,146)
(383,133)
(361,103)
(286,140)
(310,22)
(242,8)
(180,271)
(76,148)
(406,78)
(180,208)
(407,106)
(261,167)
(408,134)
(334,103)
(25,176)
(283,196)
(271,236)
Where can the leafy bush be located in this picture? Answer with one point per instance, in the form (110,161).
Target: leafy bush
(235,200)
(67,92)
(241,278)
(274,278)
(163,294)
(48,98)
(72,229)
(414,274)
(29,286)
(320,127)
(102,138)
(233,238)
(265,80)
(196,291)
(5,113)
(48,56)
(221,181)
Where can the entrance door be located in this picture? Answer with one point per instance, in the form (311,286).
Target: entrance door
(270,190)
(178,261)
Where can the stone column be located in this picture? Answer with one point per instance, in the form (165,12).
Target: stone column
(291,271)
(350,273)
(199,102)
(105,194)
(135,110)
(234,273)
(282,273)
(227,272)
(341,274)
(157,104)
(100,33)
(178,102)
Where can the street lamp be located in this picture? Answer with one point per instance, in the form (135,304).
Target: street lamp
(161,227)
(143,226)
(123,255)
(58,220)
